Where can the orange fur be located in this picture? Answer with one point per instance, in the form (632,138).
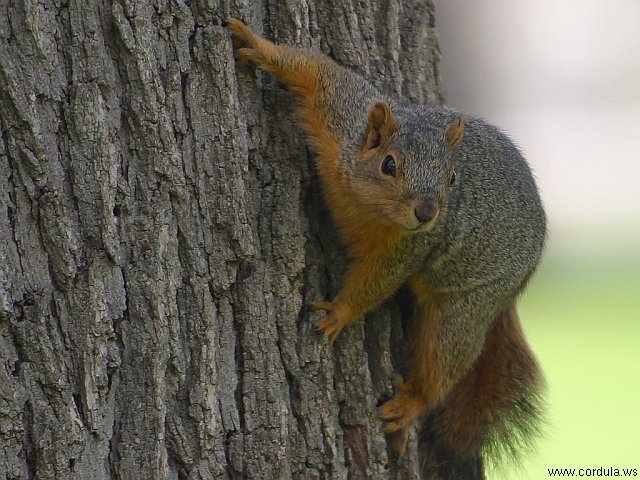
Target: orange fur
(362,234)
(368,240)
(298,70)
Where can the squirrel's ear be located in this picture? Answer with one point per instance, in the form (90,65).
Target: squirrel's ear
(380,124)
(454,133)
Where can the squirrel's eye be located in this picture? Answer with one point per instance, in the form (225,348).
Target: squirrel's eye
(388,166)
(452,180)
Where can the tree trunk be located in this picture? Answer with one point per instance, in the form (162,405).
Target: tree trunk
(161,235)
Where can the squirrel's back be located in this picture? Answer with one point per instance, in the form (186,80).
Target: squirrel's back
(495,225)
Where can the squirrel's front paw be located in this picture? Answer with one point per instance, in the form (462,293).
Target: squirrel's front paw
(248,46)
(399,412)
(242,32)
(339,317)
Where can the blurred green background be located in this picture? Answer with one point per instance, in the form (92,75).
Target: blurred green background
(562,78)
(581,315)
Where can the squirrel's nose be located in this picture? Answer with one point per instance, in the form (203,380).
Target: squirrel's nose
(425,209)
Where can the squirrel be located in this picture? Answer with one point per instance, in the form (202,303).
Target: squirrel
(446,205)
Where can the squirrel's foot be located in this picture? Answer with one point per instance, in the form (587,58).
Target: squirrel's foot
(399,412)
(255,48)
(338,318)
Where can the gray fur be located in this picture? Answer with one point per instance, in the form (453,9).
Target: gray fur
(494,227)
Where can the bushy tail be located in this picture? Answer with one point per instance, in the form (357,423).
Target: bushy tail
(494,413)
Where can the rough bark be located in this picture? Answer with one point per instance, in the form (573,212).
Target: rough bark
(161,234)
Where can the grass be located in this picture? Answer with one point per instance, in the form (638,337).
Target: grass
(581,314)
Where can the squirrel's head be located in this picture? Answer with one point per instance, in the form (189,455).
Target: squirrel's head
(405,172)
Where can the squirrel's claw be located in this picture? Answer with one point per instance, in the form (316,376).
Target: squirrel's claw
(241,31)
(398,413)
(330,328)
(392,413)
(332,324)
(397,425)
(248,46)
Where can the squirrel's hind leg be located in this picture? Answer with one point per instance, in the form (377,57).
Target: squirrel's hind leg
(447,337)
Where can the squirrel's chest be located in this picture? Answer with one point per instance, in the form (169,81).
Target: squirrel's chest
(366,239)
